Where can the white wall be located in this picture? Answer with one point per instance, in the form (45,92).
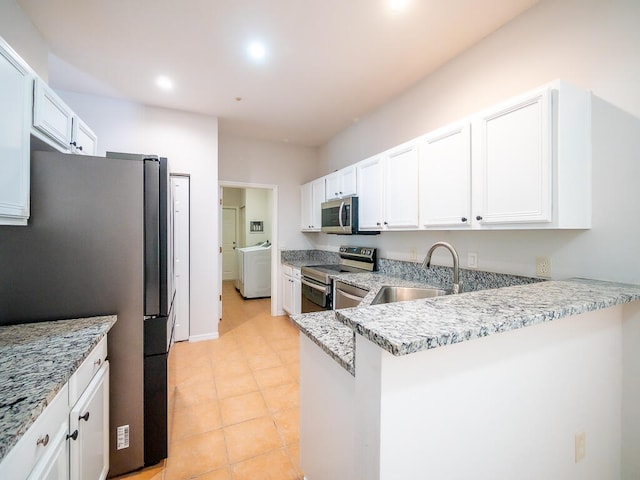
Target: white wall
(504,407)
(275,163)
(19,32)
(258,208)
(190,142)
(590,43)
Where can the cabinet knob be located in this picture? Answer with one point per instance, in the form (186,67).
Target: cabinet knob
(73,436)
(378,223)
(44,441)
(98,362)
(386,223)
(464,219)
(478,217)
(80,148)
(84,417)
(73,144)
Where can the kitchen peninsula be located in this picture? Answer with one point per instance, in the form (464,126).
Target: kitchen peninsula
(455,387)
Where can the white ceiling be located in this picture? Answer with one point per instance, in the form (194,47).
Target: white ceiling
(329,62)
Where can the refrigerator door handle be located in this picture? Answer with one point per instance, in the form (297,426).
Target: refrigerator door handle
(151,236)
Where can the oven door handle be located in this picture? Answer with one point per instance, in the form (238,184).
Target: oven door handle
(323,289)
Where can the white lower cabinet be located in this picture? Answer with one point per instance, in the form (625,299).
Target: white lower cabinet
(70,439)
(89,420)
(54,465)
(291,290)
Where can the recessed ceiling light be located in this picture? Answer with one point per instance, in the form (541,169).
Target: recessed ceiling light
(164,82)
(257,50)
(398,5)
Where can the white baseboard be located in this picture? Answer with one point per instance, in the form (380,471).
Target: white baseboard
(203,337)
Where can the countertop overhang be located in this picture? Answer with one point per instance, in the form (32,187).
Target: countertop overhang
(407,327)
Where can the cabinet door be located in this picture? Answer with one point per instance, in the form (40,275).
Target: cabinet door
(55,465)
(305,207)
(332,186)
(52,117)
(514,162)
(317,197)
(401,188)
(370,193)
(296,293)
(15,118)
(84,141)
(287,294)
(445,177)
(89,451)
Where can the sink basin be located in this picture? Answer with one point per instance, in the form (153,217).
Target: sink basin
(400,294)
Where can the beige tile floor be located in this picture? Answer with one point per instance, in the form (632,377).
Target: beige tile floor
(233,402)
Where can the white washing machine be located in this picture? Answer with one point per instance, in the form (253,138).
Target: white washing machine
(254,271)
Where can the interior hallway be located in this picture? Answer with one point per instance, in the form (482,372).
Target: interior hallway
(233,402)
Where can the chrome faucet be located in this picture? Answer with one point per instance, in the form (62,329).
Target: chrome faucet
(457,284)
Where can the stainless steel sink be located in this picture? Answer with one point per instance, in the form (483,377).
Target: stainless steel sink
(389,294)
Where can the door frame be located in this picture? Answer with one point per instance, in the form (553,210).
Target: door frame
(188,242)
(275,251)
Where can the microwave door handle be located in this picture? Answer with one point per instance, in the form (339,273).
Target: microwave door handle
(340,215)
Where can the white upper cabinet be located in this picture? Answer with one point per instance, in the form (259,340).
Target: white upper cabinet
(341,183)
(522,164)
(401,184)
(370,176)
(52,117)
(56,124)
(312,196)
(445,177)
(15,118)
(513,162)
(388,189)
(83,140)
(532,161)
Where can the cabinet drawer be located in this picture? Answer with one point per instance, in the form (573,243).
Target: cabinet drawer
(81,378)
(286,270)
(38,439)
(295,273)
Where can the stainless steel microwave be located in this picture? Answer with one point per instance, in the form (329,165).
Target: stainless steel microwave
(340,216)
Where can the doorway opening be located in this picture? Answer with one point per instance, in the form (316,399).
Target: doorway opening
(248,216)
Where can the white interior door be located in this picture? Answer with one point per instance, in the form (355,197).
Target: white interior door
(180,187)
(229,243)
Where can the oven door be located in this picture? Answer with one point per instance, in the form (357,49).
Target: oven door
(316,297)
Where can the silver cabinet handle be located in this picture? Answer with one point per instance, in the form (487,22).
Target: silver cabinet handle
(44,441)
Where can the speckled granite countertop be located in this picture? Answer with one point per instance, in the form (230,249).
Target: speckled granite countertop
(406,327)
(36,360)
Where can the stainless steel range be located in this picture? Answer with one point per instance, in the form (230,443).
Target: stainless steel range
(317,285)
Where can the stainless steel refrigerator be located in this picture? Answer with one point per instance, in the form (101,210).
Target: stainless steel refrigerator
(99,241)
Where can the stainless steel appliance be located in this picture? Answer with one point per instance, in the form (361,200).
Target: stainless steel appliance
(317,284)
(99,242)
(348,296)
(341,217)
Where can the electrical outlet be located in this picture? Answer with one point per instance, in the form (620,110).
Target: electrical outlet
(581,444)
(413,254)
(472,260)
(543,267)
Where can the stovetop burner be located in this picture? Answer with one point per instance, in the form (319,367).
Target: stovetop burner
(352,259)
